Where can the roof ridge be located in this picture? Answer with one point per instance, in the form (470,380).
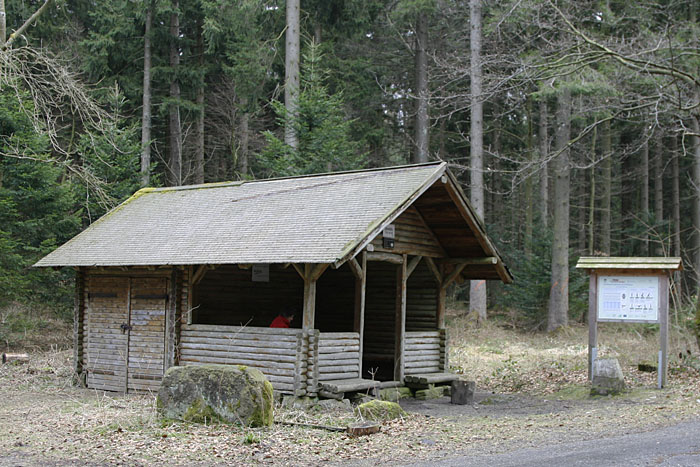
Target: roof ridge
(203,186)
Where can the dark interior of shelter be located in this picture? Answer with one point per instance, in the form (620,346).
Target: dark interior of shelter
(227,295)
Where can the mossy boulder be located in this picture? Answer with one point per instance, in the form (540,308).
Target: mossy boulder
(216,394)
(377,410)
(394,394)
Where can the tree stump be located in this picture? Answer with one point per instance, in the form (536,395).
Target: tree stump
(462,392)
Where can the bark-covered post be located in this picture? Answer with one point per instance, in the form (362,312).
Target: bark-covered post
(400,321)
(558,313)
(291,67)
(420,153)
(146,102)
(477,290)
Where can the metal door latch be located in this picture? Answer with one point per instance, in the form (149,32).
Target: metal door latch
(125,327)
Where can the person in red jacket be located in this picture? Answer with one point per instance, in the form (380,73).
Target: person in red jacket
(284,319)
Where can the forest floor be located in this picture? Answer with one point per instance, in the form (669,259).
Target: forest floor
(532,390)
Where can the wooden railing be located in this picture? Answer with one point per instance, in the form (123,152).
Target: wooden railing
(280,354)
(338,356)
(425,352)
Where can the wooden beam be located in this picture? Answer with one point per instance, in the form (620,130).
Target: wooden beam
(453,275)
(356,268)
(386,257)
(317,271)
(309,298)
(488,260)
(360,294)
(400,321)
(199,274)
(434,269)
(299,270)
(412,265)
(440,314)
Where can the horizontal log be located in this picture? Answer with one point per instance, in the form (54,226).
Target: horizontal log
(339,356)
(339,369)
(339,335)
(278,367)
(257,344)
(332,363)
(227,347)
(336,349)
(242,329)
(272,375)
(431,378)
(280,358)
(348,385)
(414,334)
(239,337)
(330,343)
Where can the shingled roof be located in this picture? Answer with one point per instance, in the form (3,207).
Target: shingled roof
(311,219)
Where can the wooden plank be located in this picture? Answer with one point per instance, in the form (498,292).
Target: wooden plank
(336,349)
(349,385)
(339,369)
(592,322)
(385,257)
(332,363)
(431,378)
(191,353)
(338,335)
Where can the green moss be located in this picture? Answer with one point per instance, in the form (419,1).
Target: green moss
(377,410)
(394,394)
(242,367)
(200,412)
(263,414)
(573,393)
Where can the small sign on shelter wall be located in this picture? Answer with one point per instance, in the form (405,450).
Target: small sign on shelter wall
(261,273)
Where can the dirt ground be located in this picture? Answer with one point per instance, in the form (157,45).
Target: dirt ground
(46,421)
(531,391)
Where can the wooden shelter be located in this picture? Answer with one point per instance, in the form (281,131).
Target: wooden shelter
(195,274)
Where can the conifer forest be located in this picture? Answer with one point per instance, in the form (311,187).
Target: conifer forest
(573,126)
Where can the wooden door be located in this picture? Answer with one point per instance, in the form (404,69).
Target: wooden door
(149,302)
(107,352)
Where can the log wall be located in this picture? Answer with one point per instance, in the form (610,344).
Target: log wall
(421,300)
(338,356)
(228,296)
(412,237)
(280,354)
(425,352)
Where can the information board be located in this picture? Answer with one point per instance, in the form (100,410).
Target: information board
(628,298)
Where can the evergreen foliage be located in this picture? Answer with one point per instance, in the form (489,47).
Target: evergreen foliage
(324,132)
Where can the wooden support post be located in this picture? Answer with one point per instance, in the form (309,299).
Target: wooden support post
(170,319)
(78,320)
(663,329)
(309,298)
(592,322)
(413,265)
(440,314)
(360,290)
(400,321)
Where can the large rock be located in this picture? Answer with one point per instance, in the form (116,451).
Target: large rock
(607,377)
(377,410)
(216,393)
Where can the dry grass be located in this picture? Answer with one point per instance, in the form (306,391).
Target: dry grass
(25,328)
(46,419)
(505,360)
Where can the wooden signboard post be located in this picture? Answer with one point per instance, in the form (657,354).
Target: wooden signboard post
(629,290)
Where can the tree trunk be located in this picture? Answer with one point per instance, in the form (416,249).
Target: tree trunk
(175,129)
(3,23)
(644,208)
(558,312)
(695,121)
(243,153)
(676,208)
(543,143)
(291,72)
(146,111)
(580,208)
(606,191)
(199,99)
(659,194)
(420,153)
(477,290)
(529,198)
(591,214)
